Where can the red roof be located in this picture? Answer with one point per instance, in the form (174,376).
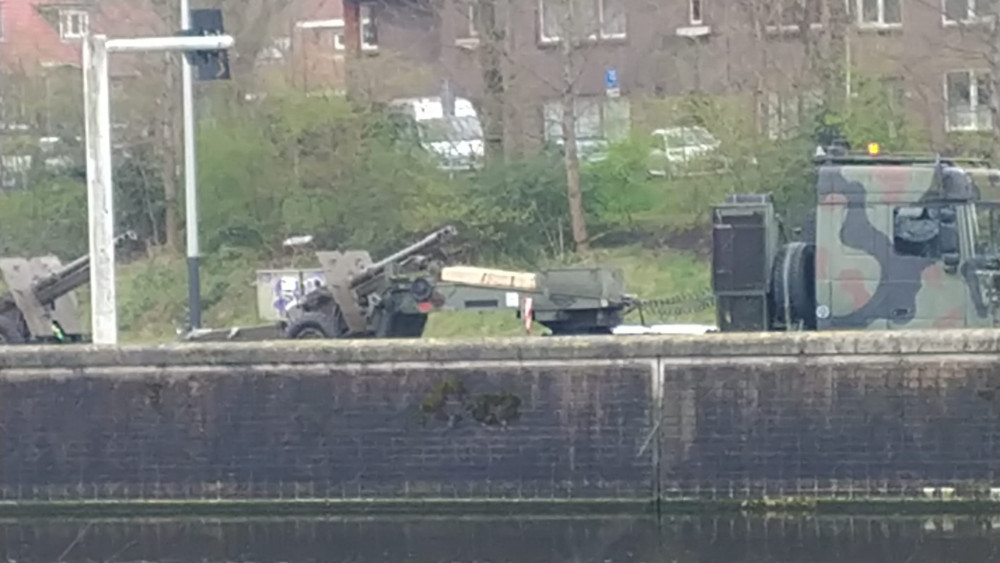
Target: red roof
(31,37)
(29,40)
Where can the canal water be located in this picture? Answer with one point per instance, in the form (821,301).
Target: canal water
(507,540)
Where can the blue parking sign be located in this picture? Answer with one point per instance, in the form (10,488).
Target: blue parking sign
(611,83)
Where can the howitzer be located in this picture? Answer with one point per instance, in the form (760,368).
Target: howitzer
(39,304)
(431,241)
(362,298)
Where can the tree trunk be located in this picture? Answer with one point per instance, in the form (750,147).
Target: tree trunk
(490,45)
(353,54)
(994,60)
(578,221)
(514,137)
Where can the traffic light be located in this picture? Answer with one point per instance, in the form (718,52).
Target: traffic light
(208,65)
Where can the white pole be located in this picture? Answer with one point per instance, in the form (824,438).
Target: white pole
(100,194)
(97,104)
(154,44)
(190,183)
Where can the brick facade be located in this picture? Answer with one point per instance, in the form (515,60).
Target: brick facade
(748,49)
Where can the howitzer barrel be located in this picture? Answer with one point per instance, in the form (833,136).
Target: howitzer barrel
(70,276)
(430,241)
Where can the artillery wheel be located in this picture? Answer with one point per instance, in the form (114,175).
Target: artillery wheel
(10,331)
(318,324)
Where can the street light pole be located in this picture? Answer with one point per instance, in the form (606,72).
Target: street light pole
(100,201)
(100,177)
(190,182)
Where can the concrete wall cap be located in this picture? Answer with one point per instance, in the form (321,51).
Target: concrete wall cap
(964,341)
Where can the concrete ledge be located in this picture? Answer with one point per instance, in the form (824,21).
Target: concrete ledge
(494,508)
(806,363)
(951,342)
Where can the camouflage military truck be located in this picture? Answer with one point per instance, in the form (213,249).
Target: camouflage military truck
(894,242)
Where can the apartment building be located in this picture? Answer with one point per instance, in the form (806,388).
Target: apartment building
(934,55)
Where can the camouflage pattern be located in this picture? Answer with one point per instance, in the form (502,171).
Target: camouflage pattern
(888,254)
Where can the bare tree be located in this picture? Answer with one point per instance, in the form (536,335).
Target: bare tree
(572,23)
(492,32)
(572,160)
(154,108)
(798,46)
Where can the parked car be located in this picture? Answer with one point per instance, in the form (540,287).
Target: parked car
(682,150)
(456,140)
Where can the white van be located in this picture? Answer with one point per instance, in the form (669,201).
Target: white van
(456,140)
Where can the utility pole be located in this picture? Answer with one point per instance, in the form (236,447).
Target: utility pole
(190,181)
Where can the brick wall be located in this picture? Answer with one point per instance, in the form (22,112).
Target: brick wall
(877,426)
(329,431)
(615,417)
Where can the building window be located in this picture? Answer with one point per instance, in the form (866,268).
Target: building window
(467,23)
(276,51)
(955,11)
(880,12)
(967,97)
(73,24)
(790,15)
(695,14)
(369,28)
(598,118)
(894,92)
(581,19)
(786,114)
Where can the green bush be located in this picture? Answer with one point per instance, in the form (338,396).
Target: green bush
(516,212)
(49,218)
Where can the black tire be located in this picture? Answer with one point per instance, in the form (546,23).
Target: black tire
(800,259)
(10,331)
(315,324)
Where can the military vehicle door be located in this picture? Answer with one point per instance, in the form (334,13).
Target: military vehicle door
(848,264)
(927,289)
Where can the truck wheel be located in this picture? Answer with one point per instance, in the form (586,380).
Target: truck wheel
(10,331)
(798,259)
(315,324)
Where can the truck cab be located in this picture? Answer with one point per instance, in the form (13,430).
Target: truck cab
(894,242)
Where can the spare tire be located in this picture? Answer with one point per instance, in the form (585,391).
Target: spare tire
(793,277)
